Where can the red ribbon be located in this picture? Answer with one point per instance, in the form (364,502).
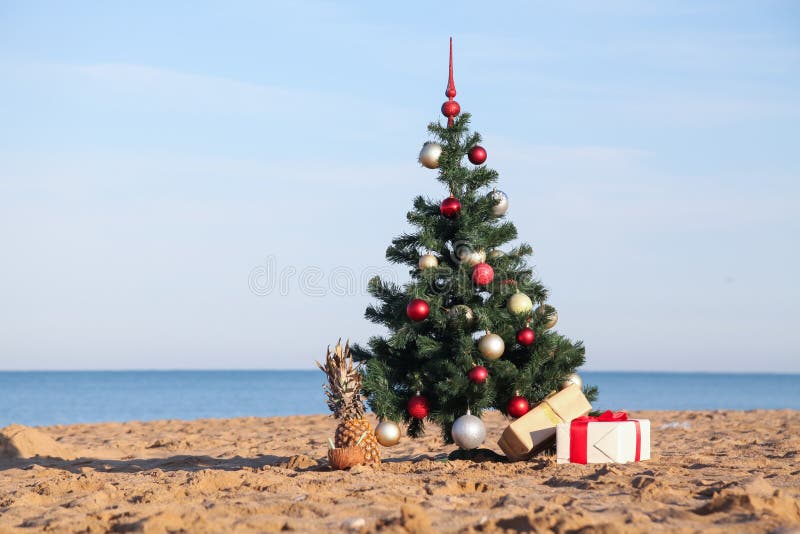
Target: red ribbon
(579,428)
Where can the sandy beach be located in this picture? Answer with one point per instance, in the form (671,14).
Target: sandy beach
(715,471)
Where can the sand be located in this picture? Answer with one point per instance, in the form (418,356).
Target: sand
(718,471)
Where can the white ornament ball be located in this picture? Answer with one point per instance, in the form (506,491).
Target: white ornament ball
(428,261)
(574,378)
(461,310)
(519,303)
(491,346)
(429,155)
(387,433)
(501,203)
(468,431)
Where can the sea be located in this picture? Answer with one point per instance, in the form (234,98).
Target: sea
(63,397)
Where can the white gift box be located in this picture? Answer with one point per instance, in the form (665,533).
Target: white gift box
(595,441)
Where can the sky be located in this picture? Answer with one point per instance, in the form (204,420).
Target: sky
(210,184)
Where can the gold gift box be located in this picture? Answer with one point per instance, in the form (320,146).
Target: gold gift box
(536,430)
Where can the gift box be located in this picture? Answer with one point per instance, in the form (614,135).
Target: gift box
(536,430)
(611,437)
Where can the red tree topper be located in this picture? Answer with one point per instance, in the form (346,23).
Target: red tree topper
(450,108)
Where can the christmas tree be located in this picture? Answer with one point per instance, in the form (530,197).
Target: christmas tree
(471,330)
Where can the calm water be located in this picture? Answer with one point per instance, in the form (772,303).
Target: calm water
(46,398)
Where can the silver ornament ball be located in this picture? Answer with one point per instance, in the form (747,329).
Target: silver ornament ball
(429,155)
(468,431)
(500,203)
(574,378)
(428,261)
(491,346)
(387,433)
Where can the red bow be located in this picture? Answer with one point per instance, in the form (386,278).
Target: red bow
(607,416)
(578,433)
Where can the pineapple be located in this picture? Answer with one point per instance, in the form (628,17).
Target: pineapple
(344,400)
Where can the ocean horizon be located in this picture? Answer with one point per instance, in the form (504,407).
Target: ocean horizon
(42,398)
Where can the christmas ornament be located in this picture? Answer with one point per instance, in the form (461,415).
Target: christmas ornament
(461,311)
(550,312)
(482,274)
(418,407)
(519,303)
(343,393)
(526,336)
(417,310)
(500,200)
(475,257)
(450,108)
(428,261)
(429,155)
(450,207)
(495,253)
(491,346)
(517,406)
(478,374)
(441,284)
(461,251)
(388,433)
(574,378)
(477,155)
(468,431)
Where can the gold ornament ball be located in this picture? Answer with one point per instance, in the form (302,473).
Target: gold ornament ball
(496,253)
(428,261)
(574,378)
(429,155)
(475,257)
(546,309)
(462,310)
(519,303)
(491,346)
(387,433)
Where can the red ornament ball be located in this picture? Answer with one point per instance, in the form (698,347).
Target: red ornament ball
(478,374)
(417,310)
(418,407)
(450,207)
(482,274)
(451,108)
(518,406)
(477,155)
(526,336)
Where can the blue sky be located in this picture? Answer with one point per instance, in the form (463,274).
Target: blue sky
(156,156)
